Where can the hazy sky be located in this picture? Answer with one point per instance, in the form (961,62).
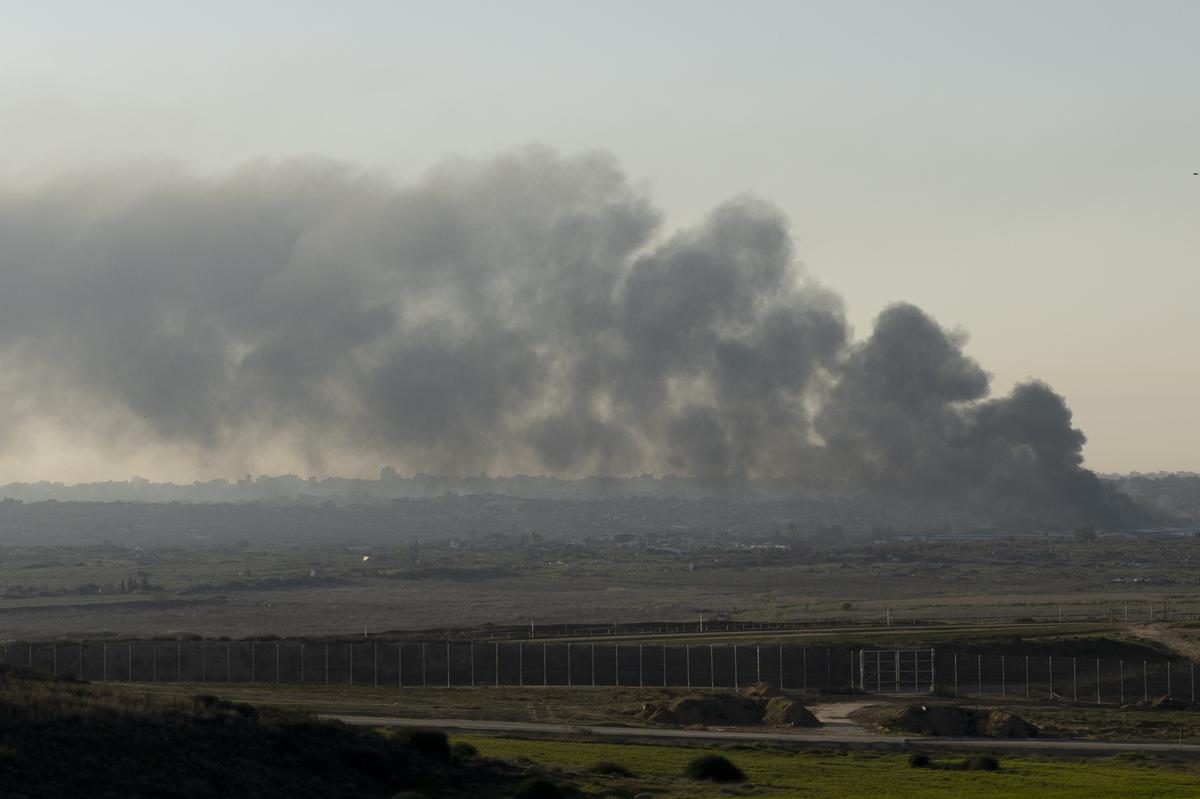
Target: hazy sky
(1020,169)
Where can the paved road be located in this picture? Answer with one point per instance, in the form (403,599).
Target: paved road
(861,739)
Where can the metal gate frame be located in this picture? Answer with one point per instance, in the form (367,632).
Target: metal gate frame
(896,671)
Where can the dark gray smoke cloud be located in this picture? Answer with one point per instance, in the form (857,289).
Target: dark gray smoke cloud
(521,313)
(910,413)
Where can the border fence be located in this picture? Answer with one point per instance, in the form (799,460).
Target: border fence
(430,663)
(456,663)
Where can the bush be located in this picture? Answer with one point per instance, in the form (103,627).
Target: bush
(538,788)
(918,760)
(980,763)
(464,751)
(430,743)
(612,769)
(714,768)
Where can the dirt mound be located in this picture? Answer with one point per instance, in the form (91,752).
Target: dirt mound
(1163,702)
(761,689)
(730,709)
(783,712)
(956,721)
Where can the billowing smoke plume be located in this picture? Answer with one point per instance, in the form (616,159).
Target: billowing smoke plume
(518,314)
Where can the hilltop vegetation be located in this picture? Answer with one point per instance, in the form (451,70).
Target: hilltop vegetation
(62,738)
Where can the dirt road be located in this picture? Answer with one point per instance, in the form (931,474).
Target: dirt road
(855,739)
(1170,637)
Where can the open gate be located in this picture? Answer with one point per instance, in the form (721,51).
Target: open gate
(895,671)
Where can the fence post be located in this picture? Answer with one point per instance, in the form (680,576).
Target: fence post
(569,680)
(956,674)
(129,665)
(1003,686)
(228,665)
(424,679)
(1051,659)
(781,668)
(302,663)
(546,669)
(520,664)
(153,662)
(664,661)
(979,674)
(1168,672)
(496,666)
(593,654)
(472,656)
(687,659)
(277,663)
(641,676)
(327,664)
(617,665)
(1074,679)
(803,667)
(104,666)
(447,662)
(1121,666)
(757,663)
(1097,681)
(375,655)
(1145,683)
(1027,676)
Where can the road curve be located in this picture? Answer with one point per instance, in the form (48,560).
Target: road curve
(813,738)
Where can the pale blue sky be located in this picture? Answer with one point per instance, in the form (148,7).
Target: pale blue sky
(1021,169)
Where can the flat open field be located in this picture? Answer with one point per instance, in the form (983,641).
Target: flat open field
(99,591)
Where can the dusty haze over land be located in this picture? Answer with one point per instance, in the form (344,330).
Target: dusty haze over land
(525,313)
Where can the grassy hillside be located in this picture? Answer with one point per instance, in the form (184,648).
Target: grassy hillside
(61,738)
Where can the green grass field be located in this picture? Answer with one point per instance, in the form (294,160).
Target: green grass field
(780,773)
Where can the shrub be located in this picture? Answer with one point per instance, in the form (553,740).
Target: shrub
(714,768)
(430,743)
(612,769)
(980,763)
(538,788)
(918,760)
(464,751)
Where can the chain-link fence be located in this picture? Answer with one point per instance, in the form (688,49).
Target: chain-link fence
(430,663)
(445,663)
(1063,678)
